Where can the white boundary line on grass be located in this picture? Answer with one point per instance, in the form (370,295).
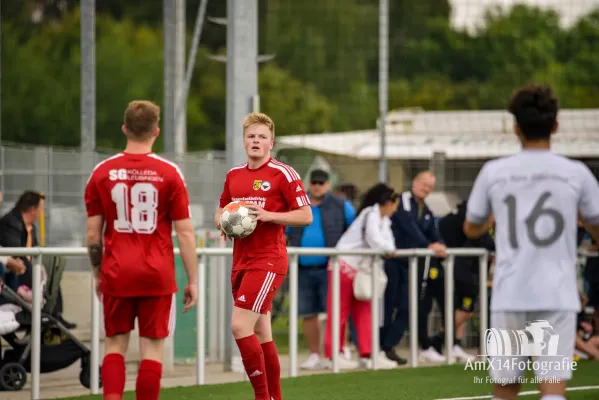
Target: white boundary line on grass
(528,393)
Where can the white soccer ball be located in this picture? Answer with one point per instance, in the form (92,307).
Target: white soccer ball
(235,220)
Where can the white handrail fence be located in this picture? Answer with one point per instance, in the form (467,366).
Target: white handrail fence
(294,253)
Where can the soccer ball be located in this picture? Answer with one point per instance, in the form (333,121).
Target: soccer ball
(235,220)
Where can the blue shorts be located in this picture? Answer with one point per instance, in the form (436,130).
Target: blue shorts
(312,291)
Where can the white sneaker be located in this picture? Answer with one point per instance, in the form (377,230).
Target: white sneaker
(461,355)
(313,362)
(382,362)
(347,353)
(343,364)
(432,355)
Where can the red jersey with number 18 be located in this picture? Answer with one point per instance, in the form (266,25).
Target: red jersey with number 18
(139,196)
(276,187)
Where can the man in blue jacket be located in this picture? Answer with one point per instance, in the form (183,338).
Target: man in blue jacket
(413,226)
(332,215)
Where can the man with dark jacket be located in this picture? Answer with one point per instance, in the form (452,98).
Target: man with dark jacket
(332,215)
(466,275)
(413,227)
(10,268)
(17,229)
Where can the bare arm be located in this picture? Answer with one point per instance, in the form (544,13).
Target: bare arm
(474,231)
(478,209)
(300,217)
(94,242)
(588,208)
(590,228)
(187,246)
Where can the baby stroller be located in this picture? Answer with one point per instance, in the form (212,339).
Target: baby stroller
(59,347)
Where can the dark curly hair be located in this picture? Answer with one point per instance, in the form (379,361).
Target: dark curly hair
(378,194)
(535,109)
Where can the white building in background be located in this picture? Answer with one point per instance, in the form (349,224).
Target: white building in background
(468,13)
(460,135)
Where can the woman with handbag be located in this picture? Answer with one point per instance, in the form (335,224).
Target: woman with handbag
(370,230)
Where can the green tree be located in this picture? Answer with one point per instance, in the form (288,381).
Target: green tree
(295,107)
(41,87)
(328,44)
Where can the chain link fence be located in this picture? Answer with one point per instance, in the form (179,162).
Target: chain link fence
(61,175)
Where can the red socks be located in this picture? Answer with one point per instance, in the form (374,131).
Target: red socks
(113,376)
(273,370)
(253,361)
(147,386)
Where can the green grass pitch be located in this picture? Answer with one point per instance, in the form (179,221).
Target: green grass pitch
(424,383)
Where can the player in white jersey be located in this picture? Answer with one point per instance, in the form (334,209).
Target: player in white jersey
(534,198)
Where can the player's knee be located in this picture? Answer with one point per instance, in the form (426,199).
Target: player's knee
(241,326)
(263,331)
(263,337)
(240,329)
(506,392)
(151,349)
(467,315)
(555,387)
(117,344)
(243,322)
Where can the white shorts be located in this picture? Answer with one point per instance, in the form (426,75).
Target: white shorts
(541,341)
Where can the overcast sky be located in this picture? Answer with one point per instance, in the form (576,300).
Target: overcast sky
(466,13)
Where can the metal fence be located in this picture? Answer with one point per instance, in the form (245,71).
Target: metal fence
(201,326)
(62,174)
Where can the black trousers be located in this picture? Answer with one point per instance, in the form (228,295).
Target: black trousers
(396,304)
(397,300)
(431,288)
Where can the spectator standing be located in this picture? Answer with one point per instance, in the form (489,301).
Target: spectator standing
(466,276)
(331,216)
(10,268)
(413,227)
(370,230)
(591,276)
(348,191)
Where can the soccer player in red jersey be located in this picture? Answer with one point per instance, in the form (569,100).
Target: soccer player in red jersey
(137,196)
(276,196)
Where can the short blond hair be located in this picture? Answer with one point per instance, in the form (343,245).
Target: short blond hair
(141,118)
(260,119)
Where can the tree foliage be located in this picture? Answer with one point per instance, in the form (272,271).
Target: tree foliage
(324,76)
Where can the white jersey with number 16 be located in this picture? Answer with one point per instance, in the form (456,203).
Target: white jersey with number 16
(535,197)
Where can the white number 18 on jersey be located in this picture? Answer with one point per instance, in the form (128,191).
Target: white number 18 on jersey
(143,217)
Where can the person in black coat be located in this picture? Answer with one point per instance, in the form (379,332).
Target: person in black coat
(466,274)
(17,229)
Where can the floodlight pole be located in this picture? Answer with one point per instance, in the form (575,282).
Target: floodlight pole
(383,86)
(242,61)
(88,76)
(173,133)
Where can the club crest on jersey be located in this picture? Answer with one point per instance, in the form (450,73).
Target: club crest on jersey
(261,185)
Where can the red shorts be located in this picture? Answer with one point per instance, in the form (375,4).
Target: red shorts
(254,289)
(155,315)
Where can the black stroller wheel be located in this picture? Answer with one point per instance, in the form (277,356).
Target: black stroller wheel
(13,377)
